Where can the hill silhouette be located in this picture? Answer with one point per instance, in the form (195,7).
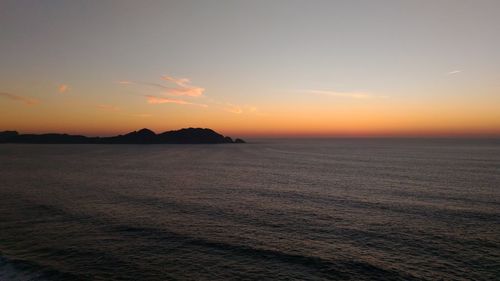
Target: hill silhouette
(143,136)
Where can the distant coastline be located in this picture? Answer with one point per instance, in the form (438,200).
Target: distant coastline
(143,136)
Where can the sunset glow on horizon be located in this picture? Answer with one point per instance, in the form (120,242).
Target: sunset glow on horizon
(252,68)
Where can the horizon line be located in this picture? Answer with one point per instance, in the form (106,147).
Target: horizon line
(297,135)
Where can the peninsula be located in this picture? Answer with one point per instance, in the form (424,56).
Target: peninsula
(143,136)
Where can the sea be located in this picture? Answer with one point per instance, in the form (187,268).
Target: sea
(271,209)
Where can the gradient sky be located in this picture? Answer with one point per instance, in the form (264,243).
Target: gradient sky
(252,68)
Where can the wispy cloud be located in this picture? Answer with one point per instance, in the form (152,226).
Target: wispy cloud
(172,87)
(253,109)
(239,109)
(182,86)
(159,100)
(25,100)
(454,72)
(108,107)
(155,85)
(149,84)
(63,88)
(233,108)
(182,82)
(352,95)
(188,91)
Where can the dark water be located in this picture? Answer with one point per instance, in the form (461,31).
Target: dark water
(275,210)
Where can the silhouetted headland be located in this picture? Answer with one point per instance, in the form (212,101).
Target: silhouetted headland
(143,136)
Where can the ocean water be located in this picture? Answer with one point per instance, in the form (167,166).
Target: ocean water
(344,209)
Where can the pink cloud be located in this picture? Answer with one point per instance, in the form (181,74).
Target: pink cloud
(63,88)
(183,82)
(160,100)
(25,100)
(186,91)
(182,86)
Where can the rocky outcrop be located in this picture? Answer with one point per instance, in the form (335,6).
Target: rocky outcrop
(143,136)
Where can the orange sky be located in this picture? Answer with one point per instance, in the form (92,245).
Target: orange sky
(276,69)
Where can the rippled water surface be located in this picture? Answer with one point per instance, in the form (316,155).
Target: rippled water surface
(275,210)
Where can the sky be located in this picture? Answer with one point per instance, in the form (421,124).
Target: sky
(280,68)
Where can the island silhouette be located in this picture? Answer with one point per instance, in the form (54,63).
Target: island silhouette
(143,136)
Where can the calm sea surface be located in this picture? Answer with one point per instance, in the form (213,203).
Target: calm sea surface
(268,210)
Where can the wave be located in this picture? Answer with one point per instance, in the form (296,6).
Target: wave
(330,269)
(15,269)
